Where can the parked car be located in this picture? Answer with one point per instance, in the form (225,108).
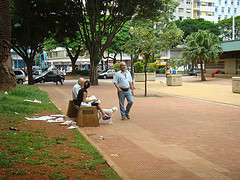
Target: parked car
(194,72)
(107,73)
(48,76)
(20,76)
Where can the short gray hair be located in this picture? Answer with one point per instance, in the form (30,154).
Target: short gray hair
(121,63)
(81,80)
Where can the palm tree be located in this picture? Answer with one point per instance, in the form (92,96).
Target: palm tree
(202,46)
(7,77)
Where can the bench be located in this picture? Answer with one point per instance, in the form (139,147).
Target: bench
(86,116)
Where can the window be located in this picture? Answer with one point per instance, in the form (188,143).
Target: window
(210,4)
(181,1)
(219,18)
(226,16)
(216,9)
(180,18)
(188,10)
(222,9)
(235,10)
(180,10)
(225,2)
(188,2)
(232,2)
(229,10)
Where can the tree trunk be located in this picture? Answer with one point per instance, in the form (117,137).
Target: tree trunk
(202,73)
(74,58)
(7,76)
(93,73)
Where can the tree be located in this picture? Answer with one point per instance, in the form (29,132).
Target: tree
(201,47)
(117,45)
(7,77)
(189,26)
(226,26)
(31,22)
(73,46)
(100,20)
(147,40)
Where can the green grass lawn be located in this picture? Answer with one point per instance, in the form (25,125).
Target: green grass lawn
(32,147)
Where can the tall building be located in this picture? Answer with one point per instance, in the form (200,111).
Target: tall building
(210,10)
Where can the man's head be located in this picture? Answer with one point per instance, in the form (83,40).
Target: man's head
(122,66)
(81,82)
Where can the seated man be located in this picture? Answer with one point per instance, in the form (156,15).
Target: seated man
(82,97)
(76,88)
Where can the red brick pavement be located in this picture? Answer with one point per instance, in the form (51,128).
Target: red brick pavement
(166,138)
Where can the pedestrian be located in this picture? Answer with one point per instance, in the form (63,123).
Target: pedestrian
(59,77)
(123,82)
(167,71)
(82,97)
(76,88)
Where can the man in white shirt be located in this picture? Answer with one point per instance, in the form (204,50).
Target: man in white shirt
(123,82)
(77,87)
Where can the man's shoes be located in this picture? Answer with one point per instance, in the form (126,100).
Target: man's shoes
(123,118)
(127,116)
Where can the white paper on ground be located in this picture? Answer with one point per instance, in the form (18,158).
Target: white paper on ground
(42,118)
(35,101)
(71,127)
(58,115)
(56,120)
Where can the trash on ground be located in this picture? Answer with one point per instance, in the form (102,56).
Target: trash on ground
(66,123)
(56,120)
(42,118)
(114,155)
(101,138)
(58,115)
(71,127)
(35,101)
(16,112)
(14,129)
(5,92)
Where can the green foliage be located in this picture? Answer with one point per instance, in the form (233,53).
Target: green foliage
(138,67)
(152,67)
(14,101)
(225,27)
(160,71)
(116,66)
(189,26)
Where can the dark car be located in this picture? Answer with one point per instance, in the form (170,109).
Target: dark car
(194,72)
(48,76)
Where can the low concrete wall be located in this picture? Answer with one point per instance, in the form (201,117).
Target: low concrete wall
(236,84)
(140,77)
(174,80)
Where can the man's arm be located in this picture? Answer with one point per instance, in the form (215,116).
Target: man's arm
(131,87)
(118,88)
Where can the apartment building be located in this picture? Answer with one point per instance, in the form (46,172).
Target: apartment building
(210,10)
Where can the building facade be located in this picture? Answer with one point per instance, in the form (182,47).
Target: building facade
(210,10)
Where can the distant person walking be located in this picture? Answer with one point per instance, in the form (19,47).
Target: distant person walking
(123,83)
(76,88)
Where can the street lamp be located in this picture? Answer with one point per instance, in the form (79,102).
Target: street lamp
(131,34)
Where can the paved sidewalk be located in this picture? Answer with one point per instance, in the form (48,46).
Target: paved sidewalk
(168,137)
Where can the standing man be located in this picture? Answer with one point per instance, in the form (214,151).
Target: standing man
(123,83)
(76,88)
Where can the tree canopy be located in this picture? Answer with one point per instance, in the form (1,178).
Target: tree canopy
(226,27)
(189,26)
(31,22)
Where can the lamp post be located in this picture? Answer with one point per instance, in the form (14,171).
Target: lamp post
(131,34)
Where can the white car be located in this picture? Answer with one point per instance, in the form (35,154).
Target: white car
(107,73)
(20,76)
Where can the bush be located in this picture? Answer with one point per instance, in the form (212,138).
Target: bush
(138,67)
(152,67)
(116,66)
(160,71)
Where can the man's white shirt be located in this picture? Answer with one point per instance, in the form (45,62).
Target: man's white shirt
(75,90)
